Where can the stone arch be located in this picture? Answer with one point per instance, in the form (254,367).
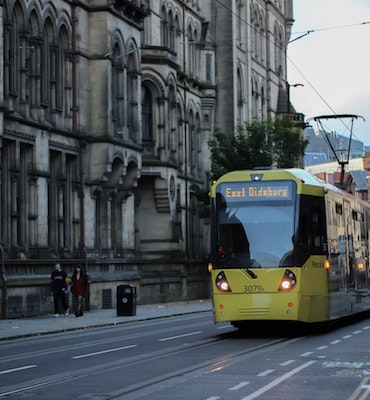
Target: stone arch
(153,83)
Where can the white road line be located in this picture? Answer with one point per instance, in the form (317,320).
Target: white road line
(103,352)
(322,348)
(225,327)
(267,372)
(335,342)
(239,386)
(180,336)
(8,371)
(347,336)
(286,363)
(356,332)
(358,389)
(278,381)
(306,354)
(365,387)
(213,398)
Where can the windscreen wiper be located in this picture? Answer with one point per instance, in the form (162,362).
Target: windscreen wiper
(251,273)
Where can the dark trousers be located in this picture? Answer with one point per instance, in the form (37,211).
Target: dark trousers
(60,297)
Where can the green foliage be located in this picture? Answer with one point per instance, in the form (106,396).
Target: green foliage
(275,142)
(247,148)
(288,144)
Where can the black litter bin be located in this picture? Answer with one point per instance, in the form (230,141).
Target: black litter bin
(126,300)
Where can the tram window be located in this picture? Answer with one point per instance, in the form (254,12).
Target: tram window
(312,231)
(339,208)
(317,229)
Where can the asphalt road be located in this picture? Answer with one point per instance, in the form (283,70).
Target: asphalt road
(188,357)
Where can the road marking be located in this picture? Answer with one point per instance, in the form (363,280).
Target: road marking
(215,370)
(267,372)
(213,398)
(347,336)
(180,336)
(286,363)
(278,381)
(322,348)
(239,386)
(103,352)
(346,364)
(8,371)
(335,342)
(225,327)
(356,332)
(358,389)
(306,354)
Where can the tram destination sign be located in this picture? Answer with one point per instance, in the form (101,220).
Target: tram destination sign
(256,191)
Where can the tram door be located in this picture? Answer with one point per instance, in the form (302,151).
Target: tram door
(350,255)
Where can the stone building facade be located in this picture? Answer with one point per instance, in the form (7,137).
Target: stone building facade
(106,110)
(251,62)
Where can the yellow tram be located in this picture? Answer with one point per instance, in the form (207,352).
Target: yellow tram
(286,246)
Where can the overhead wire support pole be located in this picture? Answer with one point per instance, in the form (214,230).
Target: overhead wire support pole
(301,36)
(342,161)
(327,29)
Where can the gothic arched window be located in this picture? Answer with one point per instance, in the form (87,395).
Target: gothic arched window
(146,114)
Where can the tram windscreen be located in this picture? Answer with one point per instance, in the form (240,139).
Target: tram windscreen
(255,224)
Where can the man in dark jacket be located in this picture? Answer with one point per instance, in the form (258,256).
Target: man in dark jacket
(59,287)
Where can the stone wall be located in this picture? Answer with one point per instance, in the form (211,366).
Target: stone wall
(30,295)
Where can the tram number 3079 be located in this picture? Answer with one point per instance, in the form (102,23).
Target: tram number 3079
(253,289)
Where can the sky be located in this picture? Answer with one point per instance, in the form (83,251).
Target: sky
(332,62)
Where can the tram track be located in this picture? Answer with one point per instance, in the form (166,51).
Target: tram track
(153,383)
(59,338)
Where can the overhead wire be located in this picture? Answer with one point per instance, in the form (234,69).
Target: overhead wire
(301,35)
(319,95)
(305,33)
(283,48)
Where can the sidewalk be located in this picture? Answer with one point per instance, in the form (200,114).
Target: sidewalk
(23,327)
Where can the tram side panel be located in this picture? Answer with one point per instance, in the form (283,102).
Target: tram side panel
(348,243)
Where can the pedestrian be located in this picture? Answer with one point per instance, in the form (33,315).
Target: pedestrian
(79,289)
(59,287)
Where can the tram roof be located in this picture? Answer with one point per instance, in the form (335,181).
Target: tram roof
(300,175)
(310,183)
(297,173)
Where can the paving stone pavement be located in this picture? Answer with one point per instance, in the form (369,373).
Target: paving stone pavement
(44,324)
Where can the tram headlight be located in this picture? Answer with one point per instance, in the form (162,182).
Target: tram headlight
(288,282)
(221,283)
